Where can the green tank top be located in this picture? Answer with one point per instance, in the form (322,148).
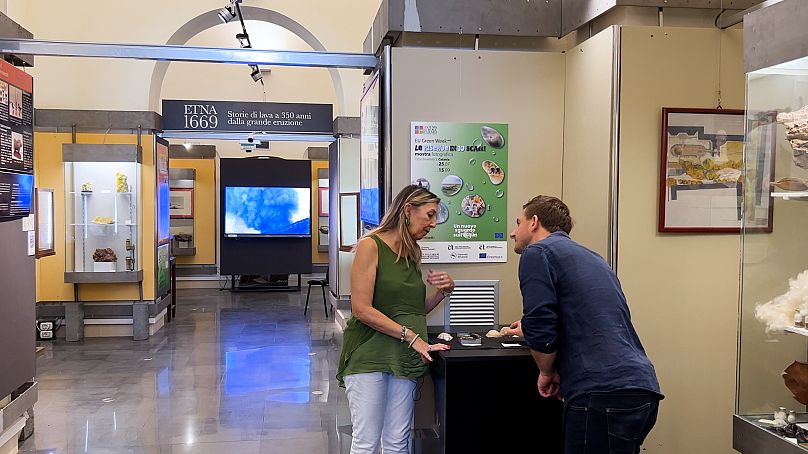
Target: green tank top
(399,293)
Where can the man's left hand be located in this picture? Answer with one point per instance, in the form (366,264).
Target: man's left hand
(549,384)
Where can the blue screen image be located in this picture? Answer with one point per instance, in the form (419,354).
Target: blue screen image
(267,211)
(369,206)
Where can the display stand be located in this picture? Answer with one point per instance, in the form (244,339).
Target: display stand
(263,287)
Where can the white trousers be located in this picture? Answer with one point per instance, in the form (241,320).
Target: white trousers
(382,407)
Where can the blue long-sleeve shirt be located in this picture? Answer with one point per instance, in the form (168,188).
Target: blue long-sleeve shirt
(574,307)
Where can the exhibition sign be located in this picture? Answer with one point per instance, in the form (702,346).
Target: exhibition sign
(466,165)
(16,142)
(261,117)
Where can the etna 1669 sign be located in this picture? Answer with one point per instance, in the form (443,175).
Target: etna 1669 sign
(185,115)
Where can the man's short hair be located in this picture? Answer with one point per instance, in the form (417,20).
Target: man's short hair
(553,214)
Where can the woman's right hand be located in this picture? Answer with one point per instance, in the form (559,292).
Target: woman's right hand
(424,348)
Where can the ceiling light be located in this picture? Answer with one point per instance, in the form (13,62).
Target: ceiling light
(256,74)
(227,14)
(244,40)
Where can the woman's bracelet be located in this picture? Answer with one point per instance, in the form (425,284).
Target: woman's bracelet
(445,293)
(404,330)
(413,339)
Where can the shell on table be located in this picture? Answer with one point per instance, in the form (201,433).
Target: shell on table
(796,124)
(791,184)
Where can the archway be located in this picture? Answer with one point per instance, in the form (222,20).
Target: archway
(210,19)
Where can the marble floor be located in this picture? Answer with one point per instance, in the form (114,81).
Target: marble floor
(233,373)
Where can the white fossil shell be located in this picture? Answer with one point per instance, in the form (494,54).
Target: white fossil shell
(446,337)
(493,333)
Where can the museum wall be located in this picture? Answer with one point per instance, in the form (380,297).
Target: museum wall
(49,174)
(524,90)
(682,289)
(587,139)
(204,210)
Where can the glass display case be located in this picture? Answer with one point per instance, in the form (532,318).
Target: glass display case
(181,210)
(102,217)
(772,388)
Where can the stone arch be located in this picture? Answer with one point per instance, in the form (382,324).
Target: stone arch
(210,19)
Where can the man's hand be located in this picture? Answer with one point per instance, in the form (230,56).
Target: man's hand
(514,330)
(549,384)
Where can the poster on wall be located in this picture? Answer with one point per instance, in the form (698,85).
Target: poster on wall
(163,213)
(16,120)
(466,165)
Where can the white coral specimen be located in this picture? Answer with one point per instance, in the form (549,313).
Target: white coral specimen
(778,314)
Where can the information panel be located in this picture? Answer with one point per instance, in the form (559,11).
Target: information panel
(16,120)
(263,117)
(466,165)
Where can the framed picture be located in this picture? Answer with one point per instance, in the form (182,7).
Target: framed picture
(348,220)
(323,201)
(181,203)
(44,223)
(701,171)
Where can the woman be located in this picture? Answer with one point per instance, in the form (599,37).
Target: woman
(385,347)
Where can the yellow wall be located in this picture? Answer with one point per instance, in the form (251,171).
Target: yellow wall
(204,210)
(49,173)
(682,289)
(587,139)
(316,256)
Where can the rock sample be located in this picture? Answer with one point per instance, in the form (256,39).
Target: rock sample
(104,255)
(796,124)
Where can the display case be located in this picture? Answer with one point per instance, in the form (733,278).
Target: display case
(102,213)
(181,210)
(772,387)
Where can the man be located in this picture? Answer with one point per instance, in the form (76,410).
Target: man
(577,324)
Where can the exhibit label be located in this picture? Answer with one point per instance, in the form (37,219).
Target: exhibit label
(466,165)
(262,117)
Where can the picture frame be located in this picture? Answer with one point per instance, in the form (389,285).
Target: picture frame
(44,227)
(323,201)
(701,171)
(348,220)
(181,203)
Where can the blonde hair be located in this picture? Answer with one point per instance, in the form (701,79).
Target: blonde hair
(394,221)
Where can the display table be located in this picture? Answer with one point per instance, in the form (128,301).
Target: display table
(486,398)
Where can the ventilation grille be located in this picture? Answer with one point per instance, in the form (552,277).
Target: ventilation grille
(474,303)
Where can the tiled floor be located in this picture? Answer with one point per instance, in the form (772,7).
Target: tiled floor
(234,373)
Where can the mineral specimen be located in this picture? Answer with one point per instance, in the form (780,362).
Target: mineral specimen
(104,255)
(796,124)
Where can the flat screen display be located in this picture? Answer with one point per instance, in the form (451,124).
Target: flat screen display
(252,211)
(16,193)
(370,154)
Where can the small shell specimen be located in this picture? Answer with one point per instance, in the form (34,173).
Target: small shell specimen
(493,333)
(791,184)
(446,337)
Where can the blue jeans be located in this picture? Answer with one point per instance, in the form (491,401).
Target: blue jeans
(615,422)
(382,408)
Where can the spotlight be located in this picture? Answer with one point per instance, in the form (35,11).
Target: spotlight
(227,13)
(244,40)
(256,74)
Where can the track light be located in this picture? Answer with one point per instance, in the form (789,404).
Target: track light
(227,13)
(244,40)
(256,74)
